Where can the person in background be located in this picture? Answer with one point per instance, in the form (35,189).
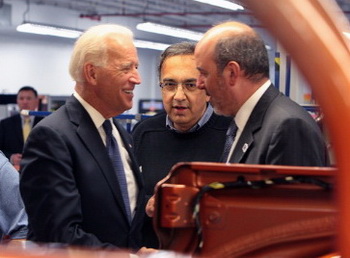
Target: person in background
(188,130)
(80,183)
(15,129)
(270,128)
(13,218)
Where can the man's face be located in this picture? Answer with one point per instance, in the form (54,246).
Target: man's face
(183,106)
(116,81)
(27,100)
(210,80)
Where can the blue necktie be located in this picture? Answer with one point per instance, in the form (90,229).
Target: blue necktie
(230,137)
(113,152)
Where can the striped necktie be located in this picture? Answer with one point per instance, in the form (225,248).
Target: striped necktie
(114,155)
(230,137)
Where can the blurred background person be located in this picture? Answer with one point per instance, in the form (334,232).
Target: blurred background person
(188,130)
(15,129)
(13,218)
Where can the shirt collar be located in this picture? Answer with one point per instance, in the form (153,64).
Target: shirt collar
(244,112)
(204,119)
(96,116)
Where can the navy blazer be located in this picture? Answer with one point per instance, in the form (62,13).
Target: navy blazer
(280,132)
(69,186)
(11,135)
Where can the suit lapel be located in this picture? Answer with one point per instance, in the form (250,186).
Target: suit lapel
(246,140)
(91,138)
(17,125)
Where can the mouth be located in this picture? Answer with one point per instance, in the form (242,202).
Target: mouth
(131,92)
(180,107)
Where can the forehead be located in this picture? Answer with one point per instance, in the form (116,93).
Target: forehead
(180,65)
(123,48)
(26,93)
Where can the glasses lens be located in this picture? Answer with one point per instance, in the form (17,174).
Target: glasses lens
(190,86)
(173,86)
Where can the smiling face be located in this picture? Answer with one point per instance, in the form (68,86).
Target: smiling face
(114,83)
(184,107)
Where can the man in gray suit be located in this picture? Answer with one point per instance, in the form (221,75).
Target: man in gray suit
(271,128)
(69,185)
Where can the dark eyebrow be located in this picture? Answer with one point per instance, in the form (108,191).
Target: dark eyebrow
(190,80)
(169,80)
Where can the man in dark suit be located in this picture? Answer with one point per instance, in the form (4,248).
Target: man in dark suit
(271,128)
(12,132)
(69,184)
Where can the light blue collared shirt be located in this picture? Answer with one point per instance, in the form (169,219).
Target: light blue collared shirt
(204,119)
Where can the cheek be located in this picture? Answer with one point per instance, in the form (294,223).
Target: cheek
(167,101)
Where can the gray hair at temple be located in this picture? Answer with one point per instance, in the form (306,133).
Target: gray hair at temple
(92,47)
(177,49)
(248,50)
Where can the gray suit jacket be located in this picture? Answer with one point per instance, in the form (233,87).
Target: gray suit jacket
(280,132)
(69,186)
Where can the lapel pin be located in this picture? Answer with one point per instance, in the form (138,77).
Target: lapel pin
(245,147)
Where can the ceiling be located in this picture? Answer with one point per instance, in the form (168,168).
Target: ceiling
(179,13)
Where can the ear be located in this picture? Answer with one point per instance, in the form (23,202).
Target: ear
(232,72)
(90,73)
(207,98)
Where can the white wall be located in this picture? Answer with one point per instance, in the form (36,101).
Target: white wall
(43,64)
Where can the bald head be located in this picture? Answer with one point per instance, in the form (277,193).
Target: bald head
(235,41)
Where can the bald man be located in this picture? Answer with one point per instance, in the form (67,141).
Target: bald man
(271,128)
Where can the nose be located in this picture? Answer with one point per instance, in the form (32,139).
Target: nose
(136,78)
(179,93)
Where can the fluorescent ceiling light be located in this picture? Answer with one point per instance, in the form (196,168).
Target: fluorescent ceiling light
(223,4)
(150,45)
(169,31)
(48,30)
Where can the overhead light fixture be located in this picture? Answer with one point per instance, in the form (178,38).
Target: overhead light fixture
(50,30)
(169,31)
(150,45)
(223,4)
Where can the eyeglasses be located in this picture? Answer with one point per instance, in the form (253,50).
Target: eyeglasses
(173,86)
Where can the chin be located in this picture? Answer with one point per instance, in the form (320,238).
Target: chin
(220,112)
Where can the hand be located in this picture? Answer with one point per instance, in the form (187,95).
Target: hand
(15,159)
(145,250)
(150,207)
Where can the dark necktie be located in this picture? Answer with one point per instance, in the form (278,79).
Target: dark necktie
(230,137)
(113,152)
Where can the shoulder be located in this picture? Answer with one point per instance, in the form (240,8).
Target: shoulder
(156,122)
(219,122)
(10,119)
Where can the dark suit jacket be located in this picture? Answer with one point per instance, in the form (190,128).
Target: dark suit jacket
(69,187)
(11,136)
(280,132)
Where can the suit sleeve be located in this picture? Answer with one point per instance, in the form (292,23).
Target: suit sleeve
(49,190)
(297,142)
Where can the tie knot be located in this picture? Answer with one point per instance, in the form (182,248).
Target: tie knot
(232,129)
(107,126)
(27,120)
